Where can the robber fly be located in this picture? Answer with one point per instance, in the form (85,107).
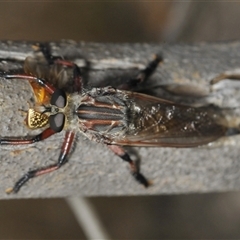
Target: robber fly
(106,115)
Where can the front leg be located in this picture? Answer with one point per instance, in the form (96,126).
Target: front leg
(27,140)
(62,159)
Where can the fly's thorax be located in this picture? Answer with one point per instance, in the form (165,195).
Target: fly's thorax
(102,113)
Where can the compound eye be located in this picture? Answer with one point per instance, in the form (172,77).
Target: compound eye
(59,98)
(57,122)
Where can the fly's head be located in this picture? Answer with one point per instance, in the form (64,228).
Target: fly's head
(52,113)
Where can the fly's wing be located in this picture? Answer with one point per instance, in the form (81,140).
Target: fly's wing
(55,74)
(37,67)
(157,122)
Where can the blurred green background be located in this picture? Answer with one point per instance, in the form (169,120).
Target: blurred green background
(193,216)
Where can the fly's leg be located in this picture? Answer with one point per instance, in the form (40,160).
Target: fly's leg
(46,85)
(28,140)
(77,83)
(22,141)
(62,159)
(44,48)
(119,151)
(143,75)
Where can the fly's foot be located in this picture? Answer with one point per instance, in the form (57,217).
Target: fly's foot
(134,165)
(141,179)
(21,182)
(136,173)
